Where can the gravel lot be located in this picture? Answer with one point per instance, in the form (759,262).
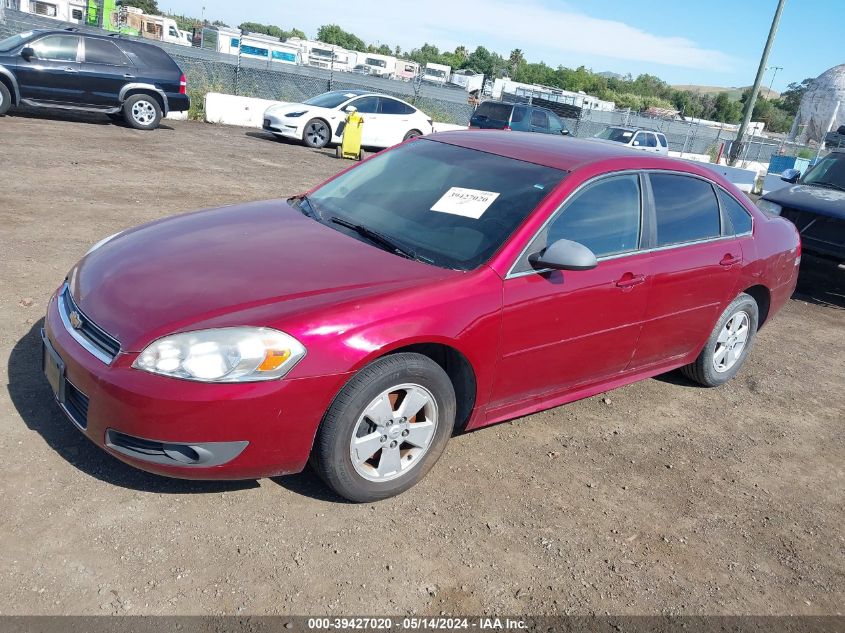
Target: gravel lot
(657,498)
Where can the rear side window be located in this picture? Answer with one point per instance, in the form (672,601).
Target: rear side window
(738,218)
(149,55)
(104,52)
(57,47)
(686,209)
(392,106)
(650,140)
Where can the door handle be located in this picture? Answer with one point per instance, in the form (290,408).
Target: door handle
(71,70)
(729,260)
(630,280)
(128,76)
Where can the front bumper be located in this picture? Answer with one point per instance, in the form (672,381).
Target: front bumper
(284,126)
(185,429)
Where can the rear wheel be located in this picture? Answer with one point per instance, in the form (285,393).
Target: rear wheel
(5,99)
(142,112)
(728,346)
(317,133)
(412,134)
(386,428)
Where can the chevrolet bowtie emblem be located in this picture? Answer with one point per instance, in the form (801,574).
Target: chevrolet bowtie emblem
(75,320)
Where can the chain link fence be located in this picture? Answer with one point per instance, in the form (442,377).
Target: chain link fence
(210,71)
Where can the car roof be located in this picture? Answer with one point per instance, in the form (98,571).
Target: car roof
(554,151)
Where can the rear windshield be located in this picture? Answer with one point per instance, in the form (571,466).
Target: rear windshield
(494,111)
(449,206)
(618,134)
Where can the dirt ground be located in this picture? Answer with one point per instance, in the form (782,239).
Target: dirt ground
(659,498)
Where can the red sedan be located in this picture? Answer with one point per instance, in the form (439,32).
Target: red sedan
(449,283)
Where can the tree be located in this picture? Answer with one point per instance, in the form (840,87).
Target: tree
(333,34)
(150,7)
(791,97)
(271,30)
(726,110)
(515,60)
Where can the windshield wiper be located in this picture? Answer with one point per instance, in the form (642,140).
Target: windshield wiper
(823,183)
(387,243)
(304,204)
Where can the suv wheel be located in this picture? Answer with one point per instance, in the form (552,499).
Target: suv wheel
(5,99)
(142,112)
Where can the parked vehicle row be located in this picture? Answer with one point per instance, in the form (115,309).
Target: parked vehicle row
(451,282)
(70,70)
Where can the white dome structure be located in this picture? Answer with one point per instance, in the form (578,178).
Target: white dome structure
(819,104)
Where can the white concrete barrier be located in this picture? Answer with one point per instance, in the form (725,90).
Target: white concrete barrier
(233,110)
(178,116)
(446,127)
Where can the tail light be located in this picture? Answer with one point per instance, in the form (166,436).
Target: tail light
(183,85)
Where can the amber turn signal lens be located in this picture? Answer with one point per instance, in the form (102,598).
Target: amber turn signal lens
(274,359)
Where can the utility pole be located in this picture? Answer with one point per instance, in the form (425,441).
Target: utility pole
(752,98)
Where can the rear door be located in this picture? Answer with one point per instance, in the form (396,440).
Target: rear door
(53,74)
(105,71)
(395,120)
(695,264)
(491,115)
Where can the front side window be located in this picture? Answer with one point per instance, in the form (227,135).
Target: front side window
(519,119)
(686,209)
(457,216)
(555,124)
(103,52)
(662,140)
(366,105)
(650,140)
(738,217)
(604,216)
(57,47)
(539,119)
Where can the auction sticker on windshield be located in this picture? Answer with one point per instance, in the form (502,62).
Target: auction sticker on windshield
(470,203)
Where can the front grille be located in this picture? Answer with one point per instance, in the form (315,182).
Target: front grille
(76,405)
(84,330)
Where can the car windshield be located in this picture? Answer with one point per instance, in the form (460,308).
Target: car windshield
(330,99)
(450,206)
(829,171)
(618,134)
(11,42)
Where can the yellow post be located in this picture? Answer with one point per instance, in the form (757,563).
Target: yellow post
(350,146)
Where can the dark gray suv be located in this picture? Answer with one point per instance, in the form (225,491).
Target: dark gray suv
(71,70)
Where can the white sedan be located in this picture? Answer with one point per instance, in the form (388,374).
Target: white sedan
(387,120)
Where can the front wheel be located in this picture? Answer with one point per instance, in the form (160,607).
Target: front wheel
(142,112)
(317,133)
(386,428)
(728,346)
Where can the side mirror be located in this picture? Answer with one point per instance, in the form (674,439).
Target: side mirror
(564,255)
(28,53)
(790,175)
(635,144)
(564,132)
(350,109)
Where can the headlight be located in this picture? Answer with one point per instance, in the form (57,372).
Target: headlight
(233,354)
(293,115)
(766,206)
(102,241)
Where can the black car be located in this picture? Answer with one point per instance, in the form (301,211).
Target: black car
(494,115)
(71,70)
(815,203)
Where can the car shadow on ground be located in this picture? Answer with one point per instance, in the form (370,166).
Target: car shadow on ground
(308,484)
(70,116)
(33,399)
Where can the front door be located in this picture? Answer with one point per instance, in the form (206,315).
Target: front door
(695,269)
(564,329)
(371,133)
(52,75)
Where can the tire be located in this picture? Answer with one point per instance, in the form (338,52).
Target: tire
(317,133)
(142,112)
(5,99)
(412,134)
(715,365)
(396,442)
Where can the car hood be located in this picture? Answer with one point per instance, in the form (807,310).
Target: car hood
(252,264)
(820,200)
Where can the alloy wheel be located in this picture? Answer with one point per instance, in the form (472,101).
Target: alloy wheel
(317,134)
(394,432)
(731,342)
(143,112)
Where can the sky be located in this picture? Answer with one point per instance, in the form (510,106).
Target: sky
(716,43)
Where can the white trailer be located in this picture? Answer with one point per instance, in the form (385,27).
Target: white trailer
(64,10)
(469,80)
(250,45)
(322,55)
(378,65)
(407,70)
(437,73)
